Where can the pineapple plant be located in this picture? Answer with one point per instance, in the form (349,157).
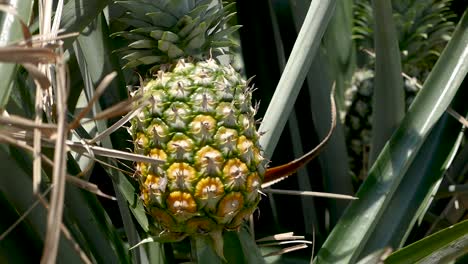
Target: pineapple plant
(198,120)
(88,230)
(424,27)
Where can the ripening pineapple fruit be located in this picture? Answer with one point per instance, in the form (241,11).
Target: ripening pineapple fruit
(199,120)
(200,123)
(423,27)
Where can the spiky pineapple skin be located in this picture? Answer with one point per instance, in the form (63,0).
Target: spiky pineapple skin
(200,124)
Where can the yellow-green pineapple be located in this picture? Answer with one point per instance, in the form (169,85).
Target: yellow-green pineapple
(199,121)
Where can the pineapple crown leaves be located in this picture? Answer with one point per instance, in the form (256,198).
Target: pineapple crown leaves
(424,27)
(161,32)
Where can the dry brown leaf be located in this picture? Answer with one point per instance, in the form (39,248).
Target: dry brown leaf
(37,75)
(309,193)
(278,173)
(97,94)
(23,55)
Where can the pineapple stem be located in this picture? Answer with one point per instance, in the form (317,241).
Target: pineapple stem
(208,246)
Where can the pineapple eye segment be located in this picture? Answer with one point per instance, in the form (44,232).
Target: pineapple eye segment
(203,101)
(200,77)
(246,151)
(156,183)
(161,80)
(202,128)
(229,206)
(177,115)
(208,161)
(153,188)
(248,126)
(158,99)
(226,140)
(141,171)
(224,90)
(209,188)
(253,185)
(181,204)
(235,174)
(159,133)
(225,112)
(181,176)
(141,143)
(142,117)
(158,154)
(180,89)
(243,101)
(180,148)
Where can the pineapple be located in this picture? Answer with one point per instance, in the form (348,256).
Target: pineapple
(199,121)
(424,27)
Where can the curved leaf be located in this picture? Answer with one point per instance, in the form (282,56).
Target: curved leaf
(440,247)
(295,73)
(347,240)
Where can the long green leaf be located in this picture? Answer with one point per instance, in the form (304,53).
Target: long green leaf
(341,51)
(334,159)
(346,242)
(440,247)
(388,101)
(94,224)
(418,185)
(16,186)
(333,66)
(309,210)
(95,58)
(12,249)
(336,65)
(295,73)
